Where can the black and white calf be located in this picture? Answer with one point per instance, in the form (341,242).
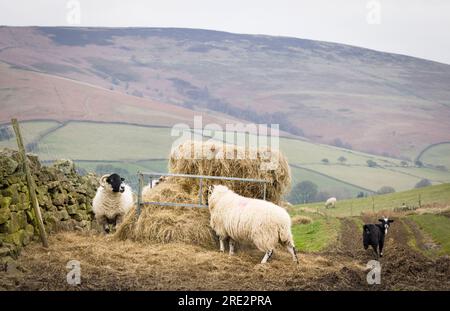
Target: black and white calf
(373,234)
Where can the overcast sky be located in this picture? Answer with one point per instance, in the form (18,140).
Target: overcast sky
(413,27)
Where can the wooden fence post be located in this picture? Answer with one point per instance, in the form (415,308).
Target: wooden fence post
(30,183)
(373,205)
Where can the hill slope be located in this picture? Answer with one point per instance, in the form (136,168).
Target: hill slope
(30,95)
(377,102)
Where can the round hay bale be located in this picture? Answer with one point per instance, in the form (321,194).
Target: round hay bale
(219,159)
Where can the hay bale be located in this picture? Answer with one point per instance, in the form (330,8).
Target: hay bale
(164,224)
(219,159)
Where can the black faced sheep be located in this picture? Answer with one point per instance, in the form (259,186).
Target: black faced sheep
(373,234)
(242,219)
(111,202)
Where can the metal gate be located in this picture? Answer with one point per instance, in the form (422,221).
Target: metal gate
(200,177)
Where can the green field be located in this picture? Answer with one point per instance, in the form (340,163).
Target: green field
(437,155)
(317,235)
(136,148)
(30,132)
(438,227)
(354,207)
(108,142)
(372,178)
(326,183)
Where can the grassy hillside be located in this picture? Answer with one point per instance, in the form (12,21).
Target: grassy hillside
(135,148)
(437,155)
(317,235)
(438,227)
(321,89)
(30,132)
(434,194)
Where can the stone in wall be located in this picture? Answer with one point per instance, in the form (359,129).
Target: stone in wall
(65,199)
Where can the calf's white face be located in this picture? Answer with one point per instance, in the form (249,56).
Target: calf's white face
(385,222)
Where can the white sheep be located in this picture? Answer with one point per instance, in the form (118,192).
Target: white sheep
(244,219)
(112,201)
(331,202)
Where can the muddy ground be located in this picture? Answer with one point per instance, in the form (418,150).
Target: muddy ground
(107,264)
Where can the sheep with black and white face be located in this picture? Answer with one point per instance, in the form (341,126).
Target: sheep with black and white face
(113,200)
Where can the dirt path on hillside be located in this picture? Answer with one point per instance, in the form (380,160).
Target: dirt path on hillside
(407,268)
(107,264)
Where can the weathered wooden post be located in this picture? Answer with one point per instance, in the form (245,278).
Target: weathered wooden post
(373,205)
(139,198)
(30,183)
(420,201)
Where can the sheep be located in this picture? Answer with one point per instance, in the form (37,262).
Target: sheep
(331,202)
(244,219)
(112,201)
(373,234)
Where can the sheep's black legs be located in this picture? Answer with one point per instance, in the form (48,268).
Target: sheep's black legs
(375,250)
(381,248)
(267,256)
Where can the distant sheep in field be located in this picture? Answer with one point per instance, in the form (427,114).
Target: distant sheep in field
(112,201)
(331,202)
(374,234)
(242,219)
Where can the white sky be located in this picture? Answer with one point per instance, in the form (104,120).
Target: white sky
(418,28)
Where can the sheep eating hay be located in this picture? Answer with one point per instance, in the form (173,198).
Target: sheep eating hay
(163,224)
(112,200)
(243,219)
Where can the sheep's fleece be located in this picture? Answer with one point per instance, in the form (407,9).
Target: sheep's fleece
(331,202)
(244,219)
(110,206)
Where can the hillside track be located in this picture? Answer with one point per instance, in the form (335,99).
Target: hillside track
(404,265)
